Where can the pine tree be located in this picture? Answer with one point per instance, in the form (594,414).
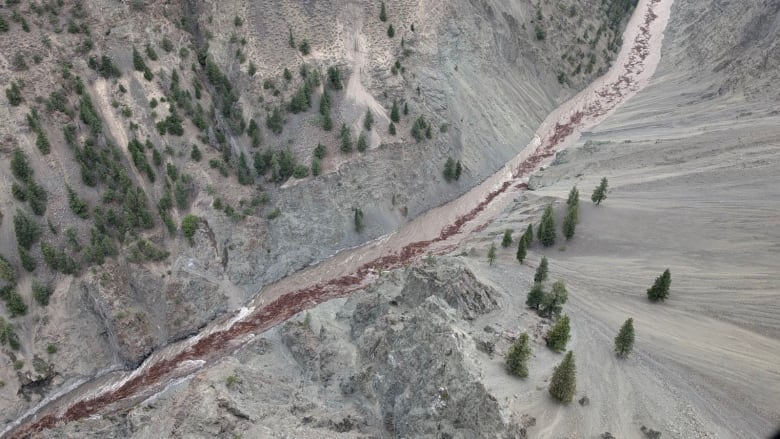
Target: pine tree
(600,193)
(624,342)
(552,302)
(346,138)
(359,220)
(362,143)
(535,296)
(541,271)
(492,253)
(368,121)
(563,383)
(449,169)
(394,116)
(570,222)
(574,197)
(521,250)
(507,240)
(390,31)
(660,288)
(518,355)
(391,129)
(383,13)
(558,336)
(547,227)
(529,236)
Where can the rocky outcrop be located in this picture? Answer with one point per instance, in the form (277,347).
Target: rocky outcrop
(391,361)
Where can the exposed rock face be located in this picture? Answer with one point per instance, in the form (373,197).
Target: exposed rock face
(390,361)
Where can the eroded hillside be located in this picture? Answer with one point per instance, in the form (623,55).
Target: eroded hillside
(165,160)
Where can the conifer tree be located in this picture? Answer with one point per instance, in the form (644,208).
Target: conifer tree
(368,121)
(507,240)
(391,129)
(600,193)
(394,115)
(346,138)
(521,250)
(574,197)
(660,288)
(547,227)
(563,383)
(541,271)
(535,296)
(359,220)
(458,170)
(558,336)
(492,253)
(552,302)
(362,143)
(624,342)
(390,31)
(518,355)
(570,222)
(383,13)
(529,236)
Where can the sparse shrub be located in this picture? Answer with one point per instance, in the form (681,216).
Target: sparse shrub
(540,33)
(518,355)
(18,62)
(304,47)
(251,69)
(275,213)
(316,167)
(301,171)
(320,151)
(166,44)
(238,21)
(51,349)
(287,74)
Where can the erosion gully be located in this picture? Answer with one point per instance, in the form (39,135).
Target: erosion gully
(438,231)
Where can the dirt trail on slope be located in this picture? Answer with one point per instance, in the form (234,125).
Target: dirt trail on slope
(438,230)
